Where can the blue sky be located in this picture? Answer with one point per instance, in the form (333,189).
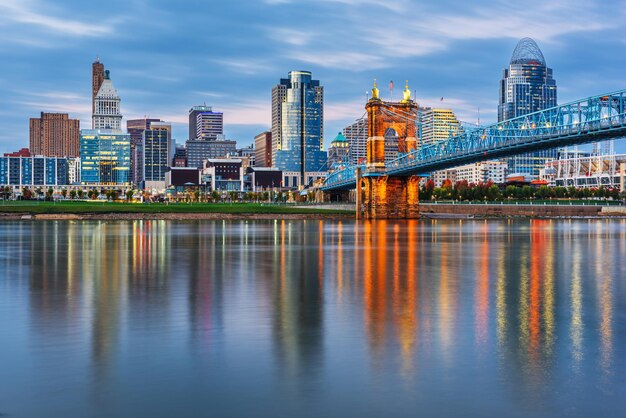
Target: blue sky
(166,56)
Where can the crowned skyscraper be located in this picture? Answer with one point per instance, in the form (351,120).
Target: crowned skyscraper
(107,113)
(527,86)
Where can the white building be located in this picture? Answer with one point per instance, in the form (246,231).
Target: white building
(437,125)
(586,171)
(482,172)
(107,113)
(356,134)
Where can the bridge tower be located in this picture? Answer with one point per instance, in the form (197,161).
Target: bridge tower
(388,197)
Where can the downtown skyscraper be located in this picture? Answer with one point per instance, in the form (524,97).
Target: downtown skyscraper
(527,86)
(107,113)
(298,126)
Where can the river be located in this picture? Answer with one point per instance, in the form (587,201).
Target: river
(313,318)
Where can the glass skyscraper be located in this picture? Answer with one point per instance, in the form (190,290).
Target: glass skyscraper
(297,140)
(104,157)
(527,86)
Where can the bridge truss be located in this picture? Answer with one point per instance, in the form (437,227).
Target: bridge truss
(592,119)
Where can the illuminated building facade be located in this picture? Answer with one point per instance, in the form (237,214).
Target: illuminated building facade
(55,135)
(527,86)
(18,172)
(299,137)
(437,125)
(205,124)
(136,128)
(104,158)
(157,150)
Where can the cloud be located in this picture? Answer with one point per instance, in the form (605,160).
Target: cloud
(247,66)
(30,12)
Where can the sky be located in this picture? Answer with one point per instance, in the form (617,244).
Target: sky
(166,56)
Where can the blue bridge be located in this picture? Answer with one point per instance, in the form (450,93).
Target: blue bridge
(587,120)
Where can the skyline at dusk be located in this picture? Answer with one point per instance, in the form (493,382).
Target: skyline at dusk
(167,58)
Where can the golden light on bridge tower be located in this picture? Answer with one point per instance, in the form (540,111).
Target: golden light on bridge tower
(390,196)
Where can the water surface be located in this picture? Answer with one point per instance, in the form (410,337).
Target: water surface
(313,318)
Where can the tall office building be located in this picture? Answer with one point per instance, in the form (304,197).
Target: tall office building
(199,150)
(107,113)
(157,151)
(205,124)
(104,157)
(263,149)
(437,125)
(356,134)
(298,146)
(136,128)
(97,77)
(527,86)
(55,135)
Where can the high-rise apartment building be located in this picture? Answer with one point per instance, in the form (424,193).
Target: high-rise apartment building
(437,125)
(527,86)
(136,128)
(356,134)
(55,135)
(107,113)
(104,157)
(97,77)
(263,149)
(205,124)
(298,146)
(157,151)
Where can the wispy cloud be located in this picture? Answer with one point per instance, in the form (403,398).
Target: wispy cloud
(31,12)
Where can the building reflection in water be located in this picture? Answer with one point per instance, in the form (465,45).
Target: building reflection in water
(298,312)
(417,289)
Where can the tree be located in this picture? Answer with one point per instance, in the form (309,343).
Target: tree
(80,193)
(27,194)
(196,195)
(72,194)
(49,194)
(129,194)
(215,196)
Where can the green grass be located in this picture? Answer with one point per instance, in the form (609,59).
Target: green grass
(82,207)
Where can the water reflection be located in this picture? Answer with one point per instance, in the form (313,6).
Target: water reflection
(529,303)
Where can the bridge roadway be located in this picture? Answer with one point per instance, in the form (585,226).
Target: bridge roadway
(592,119)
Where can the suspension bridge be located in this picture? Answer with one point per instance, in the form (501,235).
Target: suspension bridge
(391,187)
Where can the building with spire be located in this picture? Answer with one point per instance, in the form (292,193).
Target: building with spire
(527,86)
(107,113)
(297,128)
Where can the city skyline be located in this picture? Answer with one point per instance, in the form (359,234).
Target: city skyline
(461,63)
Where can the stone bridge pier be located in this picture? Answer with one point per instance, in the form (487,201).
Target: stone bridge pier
(385,196)
(389,197)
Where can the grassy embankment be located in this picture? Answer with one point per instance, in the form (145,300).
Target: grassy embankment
(84,207)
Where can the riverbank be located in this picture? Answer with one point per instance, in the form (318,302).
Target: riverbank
(520,210)
(180,211)
(257,211)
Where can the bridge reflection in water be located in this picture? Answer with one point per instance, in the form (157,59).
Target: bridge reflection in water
(521,313)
